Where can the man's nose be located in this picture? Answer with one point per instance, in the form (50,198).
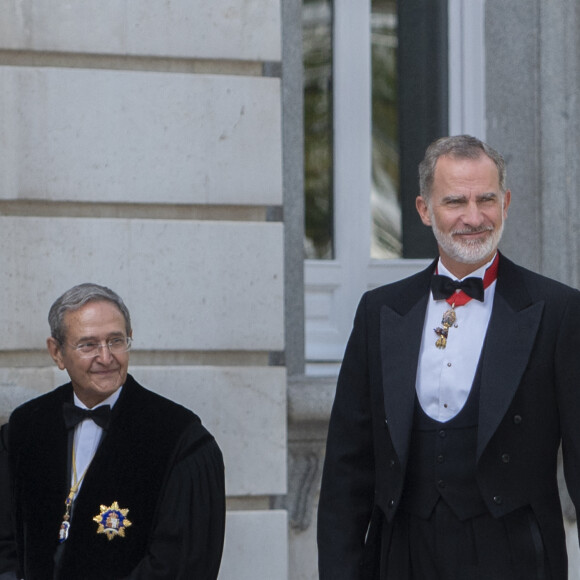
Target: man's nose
(472,215)
(104,353)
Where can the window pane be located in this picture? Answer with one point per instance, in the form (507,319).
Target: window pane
(385,198)
(317,51)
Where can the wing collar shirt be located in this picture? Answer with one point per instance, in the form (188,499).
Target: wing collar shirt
(445,375)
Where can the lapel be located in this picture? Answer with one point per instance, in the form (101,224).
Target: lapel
(401,329)
(511,335)
(52,445)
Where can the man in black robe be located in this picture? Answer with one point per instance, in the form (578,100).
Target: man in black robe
(106,479)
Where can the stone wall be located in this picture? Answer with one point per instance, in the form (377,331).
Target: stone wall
(141,148)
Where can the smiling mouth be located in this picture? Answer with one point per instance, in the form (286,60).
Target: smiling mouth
(473,232)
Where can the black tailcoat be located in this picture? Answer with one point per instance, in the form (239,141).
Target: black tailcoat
(529,403)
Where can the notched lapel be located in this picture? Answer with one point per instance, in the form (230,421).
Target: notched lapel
(400,345)
(510,338)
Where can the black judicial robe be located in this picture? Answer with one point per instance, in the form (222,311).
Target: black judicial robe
(7,544)
(156,460)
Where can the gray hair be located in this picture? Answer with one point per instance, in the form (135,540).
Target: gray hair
(76,298)
(457,147)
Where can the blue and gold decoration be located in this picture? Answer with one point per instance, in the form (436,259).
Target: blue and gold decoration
(112,521)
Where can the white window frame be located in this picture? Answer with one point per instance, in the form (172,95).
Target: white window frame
(334,287)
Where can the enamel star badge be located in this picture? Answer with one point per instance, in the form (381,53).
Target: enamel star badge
(112,521)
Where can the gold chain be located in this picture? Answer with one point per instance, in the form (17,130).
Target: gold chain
(71,496)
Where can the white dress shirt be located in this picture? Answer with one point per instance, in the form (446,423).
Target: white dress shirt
(87,437)
(445,375)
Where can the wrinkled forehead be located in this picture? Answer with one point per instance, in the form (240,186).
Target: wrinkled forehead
(93,319)
(466,170)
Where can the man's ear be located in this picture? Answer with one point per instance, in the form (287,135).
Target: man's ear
(423,210)
(54,349)
(507,198)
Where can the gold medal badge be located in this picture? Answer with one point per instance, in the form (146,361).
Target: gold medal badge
(112,521)
(448,320)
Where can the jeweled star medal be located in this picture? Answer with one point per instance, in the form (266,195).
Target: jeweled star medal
(112,521)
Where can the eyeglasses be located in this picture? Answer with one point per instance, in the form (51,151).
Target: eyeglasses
(117,345)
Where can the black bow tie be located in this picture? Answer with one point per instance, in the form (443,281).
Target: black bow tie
(443,287)
(73,415)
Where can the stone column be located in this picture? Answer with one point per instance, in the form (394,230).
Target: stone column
(533,118)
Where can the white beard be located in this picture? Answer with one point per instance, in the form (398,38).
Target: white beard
(467,251)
